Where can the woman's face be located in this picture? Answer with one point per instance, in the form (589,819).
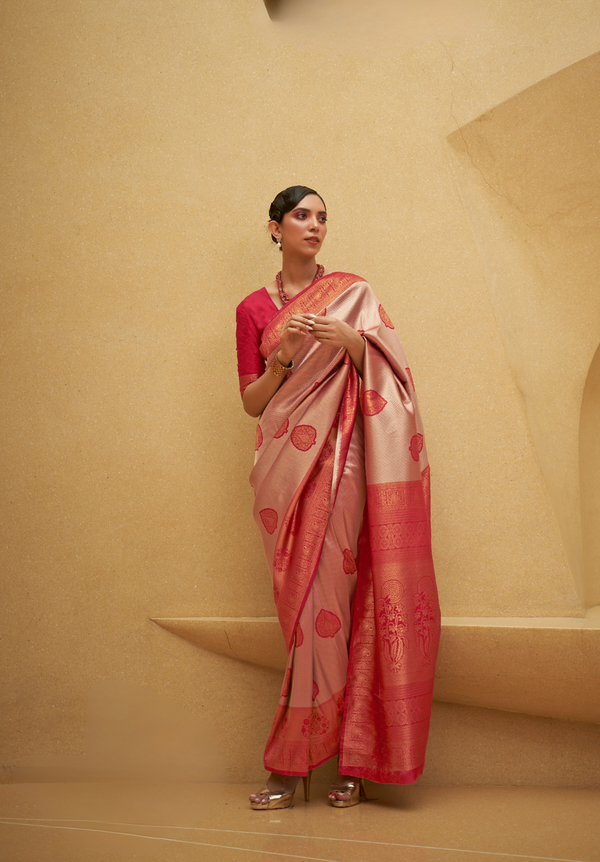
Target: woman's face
(302,230)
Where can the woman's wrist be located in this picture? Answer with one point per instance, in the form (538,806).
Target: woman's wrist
(357,352)
(359,340)
(284,359)
(279,369)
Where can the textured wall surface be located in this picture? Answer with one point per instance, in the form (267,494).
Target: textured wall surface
(529,173)
(141,145)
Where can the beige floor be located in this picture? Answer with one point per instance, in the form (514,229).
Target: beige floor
(115,821)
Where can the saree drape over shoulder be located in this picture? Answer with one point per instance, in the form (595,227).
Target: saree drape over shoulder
(342,504)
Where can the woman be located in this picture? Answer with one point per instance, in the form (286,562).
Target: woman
(342,504)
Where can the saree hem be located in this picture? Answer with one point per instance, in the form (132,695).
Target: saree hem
(379,777)
(310,768)
(304,737)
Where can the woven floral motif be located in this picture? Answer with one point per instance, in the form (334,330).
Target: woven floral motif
(269,519)
(316,724)
(393,627)
(410,377)
(416,446)
(385,317)
(259,438)
(299,637)
(283,430)
(412,710)
(315,690)
(373,403)
(406,534)
(397,713)
(327,624)
(425,608)
(349,562)
(282,559)
(303,437)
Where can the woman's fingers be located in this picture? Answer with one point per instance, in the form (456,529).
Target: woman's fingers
(296,329)
(330,330)
(324,327)
(298,323)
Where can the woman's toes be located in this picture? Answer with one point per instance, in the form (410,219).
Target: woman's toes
(340,795)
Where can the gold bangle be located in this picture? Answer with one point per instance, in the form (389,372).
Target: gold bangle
(279,369)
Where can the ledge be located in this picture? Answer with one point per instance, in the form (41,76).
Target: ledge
(254,639)
(538,666)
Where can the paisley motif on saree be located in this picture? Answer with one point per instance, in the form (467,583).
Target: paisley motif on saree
(373,704)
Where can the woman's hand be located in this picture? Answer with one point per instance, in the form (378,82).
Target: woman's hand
(292,335)
(258,394)
(334,332)
(337,333)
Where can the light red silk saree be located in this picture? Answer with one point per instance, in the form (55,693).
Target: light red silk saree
(342,504)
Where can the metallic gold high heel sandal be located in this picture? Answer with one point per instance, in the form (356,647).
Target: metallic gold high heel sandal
(355,788)
(283,799)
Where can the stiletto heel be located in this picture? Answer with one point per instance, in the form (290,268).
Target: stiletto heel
(306,779)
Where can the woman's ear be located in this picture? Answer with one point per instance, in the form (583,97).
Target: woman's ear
(274,227)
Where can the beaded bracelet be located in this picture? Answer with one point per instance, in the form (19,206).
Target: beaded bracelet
(279,369)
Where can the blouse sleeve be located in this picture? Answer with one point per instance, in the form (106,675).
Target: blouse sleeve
(251,364)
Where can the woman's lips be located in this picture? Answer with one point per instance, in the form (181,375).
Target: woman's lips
(313,239)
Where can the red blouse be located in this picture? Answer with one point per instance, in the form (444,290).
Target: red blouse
(252,316)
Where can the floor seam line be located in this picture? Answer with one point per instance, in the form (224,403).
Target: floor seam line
(18,821)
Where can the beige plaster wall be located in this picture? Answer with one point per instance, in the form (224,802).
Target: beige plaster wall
(529,173)
(141,146)
(589,476)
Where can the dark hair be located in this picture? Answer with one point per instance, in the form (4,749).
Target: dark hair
(287,200)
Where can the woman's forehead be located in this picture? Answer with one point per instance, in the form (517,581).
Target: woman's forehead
(310,202)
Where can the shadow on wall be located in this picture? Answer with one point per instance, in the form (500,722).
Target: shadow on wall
(378,24)
(529,177)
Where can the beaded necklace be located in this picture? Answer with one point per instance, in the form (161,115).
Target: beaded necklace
(283,295)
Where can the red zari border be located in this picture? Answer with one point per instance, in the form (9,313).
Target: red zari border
(312,299)
(312,511)
(390,674)
(304,735)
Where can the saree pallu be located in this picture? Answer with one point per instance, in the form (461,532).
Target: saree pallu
(342,504)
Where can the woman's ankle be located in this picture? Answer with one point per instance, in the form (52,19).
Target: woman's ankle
(282,783)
